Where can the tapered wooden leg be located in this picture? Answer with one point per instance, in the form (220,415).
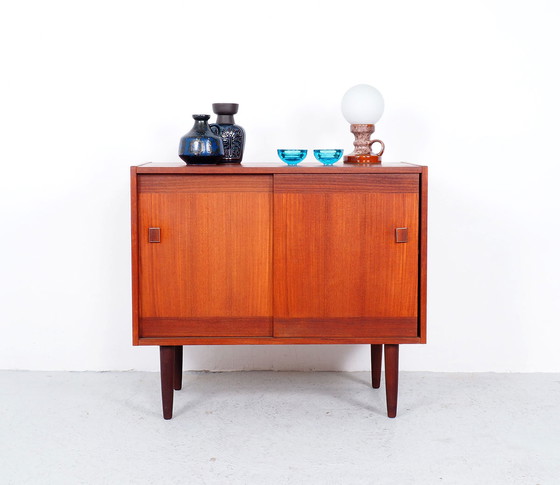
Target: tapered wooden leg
(392,378)
(178,375)
(167,366)
(376,355)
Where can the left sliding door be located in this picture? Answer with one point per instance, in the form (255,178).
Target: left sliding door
(205,255)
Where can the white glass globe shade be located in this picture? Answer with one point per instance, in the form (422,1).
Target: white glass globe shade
(362,105)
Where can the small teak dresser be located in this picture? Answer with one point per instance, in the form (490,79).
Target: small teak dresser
(279,255)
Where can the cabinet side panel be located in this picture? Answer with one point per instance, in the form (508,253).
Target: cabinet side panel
(134,253)
(214,260)
(423,264)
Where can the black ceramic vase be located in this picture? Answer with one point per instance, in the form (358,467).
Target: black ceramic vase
(233,136)
(201,146)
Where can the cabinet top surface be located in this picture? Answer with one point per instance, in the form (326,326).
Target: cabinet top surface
(276,167)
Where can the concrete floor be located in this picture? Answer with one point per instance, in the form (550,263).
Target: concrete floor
(279,428)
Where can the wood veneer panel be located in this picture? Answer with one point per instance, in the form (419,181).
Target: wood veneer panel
(423,266)
(270,168)
(165,184)
(338,327)
(323,183)
(336,256)
(134,254)
(205,326)
(214,258)
(277,340)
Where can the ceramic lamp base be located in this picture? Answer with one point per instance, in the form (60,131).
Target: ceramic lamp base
(362,145)
(362,159)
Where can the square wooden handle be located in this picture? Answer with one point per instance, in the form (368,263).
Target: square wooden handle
(154,235)
(401,234)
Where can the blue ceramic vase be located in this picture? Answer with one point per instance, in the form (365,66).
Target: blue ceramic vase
(233,136)
(200,146)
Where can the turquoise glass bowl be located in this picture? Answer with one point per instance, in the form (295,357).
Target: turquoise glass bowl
(328,157)
(292,156)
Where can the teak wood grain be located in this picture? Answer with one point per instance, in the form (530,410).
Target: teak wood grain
(276,255)
(313,168)
(364,327)
(209,340)
(201,184)
(214,260)
(206,327)
(168,313)
(135,265)
(340,183)
(336,258)
(423,255)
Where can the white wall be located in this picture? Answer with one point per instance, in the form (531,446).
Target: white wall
(90,88)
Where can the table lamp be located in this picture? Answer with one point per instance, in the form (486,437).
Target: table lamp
(362,106)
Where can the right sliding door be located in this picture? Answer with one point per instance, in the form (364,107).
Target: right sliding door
(346,255)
